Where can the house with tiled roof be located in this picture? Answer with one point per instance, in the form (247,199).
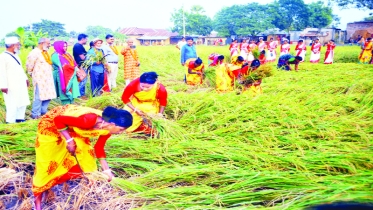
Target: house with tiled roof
(148,36)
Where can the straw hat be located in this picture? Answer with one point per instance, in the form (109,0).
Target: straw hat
(97,40)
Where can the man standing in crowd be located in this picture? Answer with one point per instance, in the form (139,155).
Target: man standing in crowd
(188,51)
(111,52)
(131,62)
(79,54)
(13,82)
(39,66)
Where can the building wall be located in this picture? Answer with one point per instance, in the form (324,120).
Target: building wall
(134,38)
(352,27)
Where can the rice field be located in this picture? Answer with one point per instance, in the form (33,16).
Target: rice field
(306,140)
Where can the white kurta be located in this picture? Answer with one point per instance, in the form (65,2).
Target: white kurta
(13,77)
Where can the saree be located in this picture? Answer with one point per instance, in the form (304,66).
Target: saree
(193,79)
(233,48)
(366,54)
(315,53)
(64,74)
(262,46)
(301,51)
(148,103)
(271,55)
(54,164)
(250,55)
(244,50)
(329,55)
(285,49)
(225,78)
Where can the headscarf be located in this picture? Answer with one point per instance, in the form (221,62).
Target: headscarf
(58,47)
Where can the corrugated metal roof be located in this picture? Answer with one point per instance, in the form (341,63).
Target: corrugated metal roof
(153,37)
(147,32)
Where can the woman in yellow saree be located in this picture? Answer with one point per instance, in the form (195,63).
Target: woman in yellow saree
(249,85)
(64,135)
(194,71)
(144,96)
(366,54)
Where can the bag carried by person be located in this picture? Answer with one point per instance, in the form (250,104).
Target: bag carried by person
(80,74)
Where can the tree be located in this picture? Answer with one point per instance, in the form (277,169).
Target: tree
(196,22)
(32,39)
(54,29)
(98,31)
(249,19)
(362,4)
(28,38)
(20,31)
(289,14)
(320,15)
(73,34)
(370,18)
(336,21)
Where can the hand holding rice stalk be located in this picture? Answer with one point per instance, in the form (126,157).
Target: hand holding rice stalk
(164,128)
(258,74)
(97,58)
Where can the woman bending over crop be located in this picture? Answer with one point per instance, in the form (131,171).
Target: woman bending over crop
(248,80)
(144,96)
(285,60)
(194,71)
(63,137)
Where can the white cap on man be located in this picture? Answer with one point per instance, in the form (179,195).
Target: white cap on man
(11,40)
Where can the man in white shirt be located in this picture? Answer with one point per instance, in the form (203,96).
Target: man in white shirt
(13,82)
(181,43)
(111,52)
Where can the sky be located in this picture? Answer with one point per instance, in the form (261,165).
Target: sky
(114,14)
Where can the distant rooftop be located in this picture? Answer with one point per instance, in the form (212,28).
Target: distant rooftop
(148,32)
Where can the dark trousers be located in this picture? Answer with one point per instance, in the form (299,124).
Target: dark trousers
(82,85)
(97,82)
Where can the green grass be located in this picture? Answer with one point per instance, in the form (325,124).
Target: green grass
(306,140)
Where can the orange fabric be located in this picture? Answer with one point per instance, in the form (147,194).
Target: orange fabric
(131,68)
(73,173)
(53,161)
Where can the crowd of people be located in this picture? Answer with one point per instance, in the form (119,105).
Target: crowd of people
(64,76)
(268,50)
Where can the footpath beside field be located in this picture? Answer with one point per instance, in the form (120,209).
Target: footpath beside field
(306,140)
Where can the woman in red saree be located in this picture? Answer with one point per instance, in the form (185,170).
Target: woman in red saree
(262,45)
(272,47)
(64,73)
(250,56)
(300,49)
(329,55)
(63,136)
(285,48)
(244,49)
(233,48)
(315,51)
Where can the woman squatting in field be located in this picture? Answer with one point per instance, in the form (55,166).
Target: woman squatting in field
(144,96)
